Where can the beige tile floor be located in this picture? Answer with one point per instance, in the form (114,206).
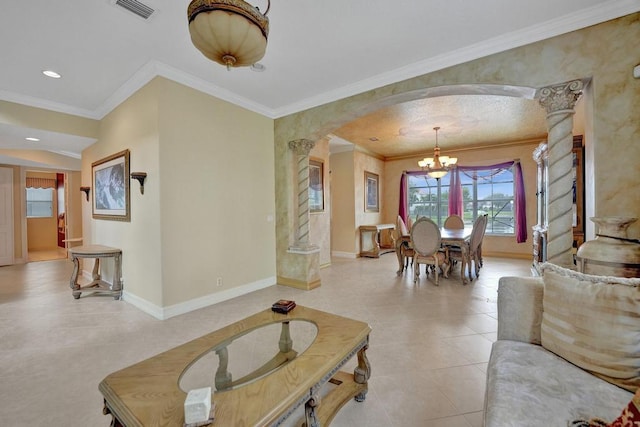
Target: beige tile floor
(429,345)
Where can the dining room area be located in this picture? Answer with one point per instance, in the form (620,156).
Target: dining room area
(441,249)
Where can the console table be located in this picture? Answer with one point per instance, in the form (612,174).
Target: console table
(97,285)
(370,243)
(148,393)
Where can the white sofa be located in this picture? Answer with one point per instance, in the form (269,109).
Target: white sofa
(528,385)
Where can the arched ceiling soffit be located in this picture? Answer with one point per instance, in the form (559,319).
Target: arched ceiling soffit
(468,115)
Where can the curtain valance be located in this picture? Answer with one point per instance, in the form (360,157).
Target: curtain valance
(41,183)
(476,172)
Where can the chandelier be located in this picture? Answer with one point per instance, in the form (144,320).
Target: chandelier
(437,166)
(230,32)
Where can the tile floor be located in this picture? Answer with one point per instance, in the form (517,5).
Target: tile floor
(428,348)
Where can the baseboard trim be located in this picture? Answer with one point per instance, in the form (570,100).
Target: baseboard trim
(298,284)
(507,255)
(163,313)
(339,254)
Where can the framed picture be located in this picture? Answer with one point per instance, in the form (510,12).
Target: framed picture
(371,195)
(111,187)
(316,186)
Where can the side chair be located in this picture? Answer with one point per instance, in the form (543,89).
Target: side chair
(426,243)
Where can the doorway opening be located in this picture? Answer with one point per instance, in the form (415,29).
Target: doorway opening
(45,216)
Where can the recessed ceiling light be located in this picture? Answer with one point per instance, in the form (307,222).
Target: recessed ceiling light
(258,67)
(52,74)
(30,138)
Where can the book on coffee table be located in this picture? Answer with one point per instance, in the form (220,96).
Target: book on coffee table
(283,306)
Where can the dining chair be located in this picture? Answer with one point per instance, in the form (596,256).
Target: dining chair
(478,252)
(467,253)
(454,222)
(426,243)
(405,248)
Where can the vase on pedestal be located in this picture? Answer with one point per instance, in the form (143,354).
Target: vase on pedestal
(612,252)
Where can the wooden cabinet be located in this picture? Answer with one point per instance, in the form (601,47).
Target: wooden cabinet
(578,192)
(540,155)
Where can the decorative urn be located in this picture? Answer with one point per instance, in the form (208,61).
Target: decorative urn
(611,253)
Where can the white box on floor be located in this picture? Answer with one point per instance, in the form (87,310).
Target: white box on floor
(197,405)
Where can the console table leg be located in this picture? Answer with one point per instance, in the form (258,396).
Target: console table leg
(362,373)
(96,270)
(75,287)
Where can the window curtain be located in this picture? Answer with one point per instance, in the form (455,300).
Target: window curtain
(41,183)
(473,172)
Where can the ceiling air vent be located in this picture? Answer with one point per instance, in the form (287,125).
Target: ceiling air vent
(134,6)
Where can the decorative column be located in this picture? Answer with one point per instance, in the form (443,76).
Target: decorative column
(302,147)
(559,102)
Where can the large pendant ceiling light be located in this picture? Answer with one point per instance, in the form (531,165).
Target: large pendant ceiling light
(437,166)
(230,32)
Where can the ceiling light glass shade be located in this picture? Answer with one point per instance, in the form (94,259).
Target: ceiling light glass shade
(437,166)
(437,174)
(230,32)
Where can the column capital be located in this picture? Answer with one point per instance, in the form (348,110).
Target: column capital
(559,97)
(302,147)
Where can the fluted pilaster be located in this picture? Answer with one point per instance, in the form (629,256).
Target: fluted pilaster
(559,102)
(302,148)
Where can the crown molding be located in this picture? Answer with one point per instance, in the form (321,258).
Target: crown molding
(603,12)
(600,13)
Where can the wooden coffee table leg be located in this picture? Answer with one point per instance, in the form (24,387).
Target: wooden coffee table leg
(311,420)
(362,373)
(115,422)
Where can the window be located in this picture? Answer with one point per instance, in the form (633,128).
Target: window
(39,202)
(488,192)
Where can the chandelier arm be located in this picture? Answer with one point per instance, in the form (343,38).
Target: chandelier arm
(268,7)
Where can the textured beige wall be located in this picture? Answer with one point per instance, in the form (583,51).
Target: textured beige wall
(38,118)
(600,53)
(133,125)
(363,162)
(343,221)
(217,194)
(320,222)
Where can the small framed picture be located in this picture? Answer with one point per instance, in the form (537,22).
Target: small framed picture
(371,195)
(316,186)
(111,187)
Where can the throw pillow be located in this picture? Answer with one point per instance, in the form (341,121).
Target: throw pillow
(594,323)
(630,417)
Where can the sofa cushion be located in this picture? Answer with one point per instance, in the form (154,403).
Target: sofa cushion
(594,323)
(530,386)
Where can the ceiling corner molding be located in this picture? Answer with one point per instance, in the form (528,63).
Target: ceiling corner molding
(155,68)
(603,12)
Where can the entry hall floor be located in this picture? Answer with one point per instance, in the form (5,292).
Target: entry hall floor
(429,346)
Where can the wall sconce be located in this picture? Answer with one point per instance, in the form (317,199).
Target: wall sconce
(86,191)
(140,176)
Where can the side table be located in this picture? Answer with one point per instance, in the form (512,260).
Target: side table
(370,245)
(97,285)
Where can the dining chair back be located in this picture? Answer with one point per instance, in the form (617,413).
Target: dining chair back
(426,244)
(401,226)
(454,222)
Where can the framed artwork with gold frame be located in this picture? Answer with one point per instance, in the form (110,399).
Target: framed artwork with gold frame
(371,192)
(316,186)
(110,176)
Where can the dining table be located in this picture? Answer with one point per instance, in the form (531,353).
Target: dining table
(448,237)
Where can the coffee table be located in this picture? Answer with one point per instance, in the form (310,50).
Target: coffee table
(148,393)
